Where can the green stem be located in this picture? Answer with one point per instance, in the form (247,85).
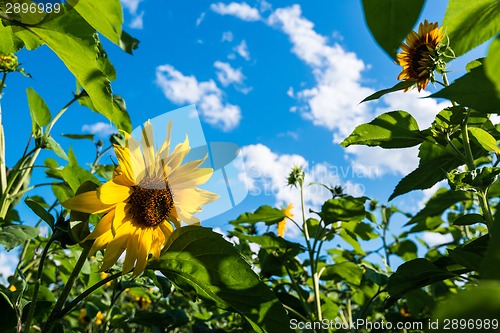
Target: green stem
(485,208)
(87,292)
(317,299)
(297,289)
(483,200)
(3,168)
(32,307)
(49,325)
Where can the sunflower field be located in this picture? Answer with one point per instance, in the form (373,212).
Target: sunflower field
(116,243)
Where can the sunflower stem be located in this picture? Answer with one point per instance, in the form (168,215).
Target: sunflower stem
(317,299)
(469,158)
(56,311)
(36,288)
(87,292)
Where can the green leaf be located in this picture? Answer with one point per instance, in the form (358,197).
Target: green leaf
(266,214)
(469,219)
(476,305)
(379,278)
(474,64)
(475,90)
(104,16)
(438,203)
(492,63)
(15,234)
(471,23)
(74,174)
(351,239)
(435,162)
(273,242)
(343,209)
(121,118)
(399,86)
(473,180)
(346,271)
(391,20)
(406,249)
(39,111)
(56,147)
(79,136)
(200,260)
(485,139)
(73,41)
(40,212)
(395,129)
(415,274)
(128,43)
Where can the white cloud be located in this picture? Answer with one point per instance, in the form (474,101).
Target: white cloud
(100,129)
(137,21)
(8,261)
(240,10)
(242,50)
(333,101)
(200,18)
(182,89)
(228,75)
(131,5)
(227,36)
(434,238)
(266,173)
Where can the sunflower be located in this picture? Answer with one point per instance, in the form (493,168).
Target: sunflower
(282,223)
(149,191)
(421,55)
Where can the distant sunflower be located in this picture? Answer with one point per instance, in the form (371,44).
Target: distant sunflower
(420,56)
(282,223)
(149,190)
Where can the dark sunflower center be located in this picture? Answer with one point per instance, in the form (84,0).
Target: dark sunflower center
(421,58)
(151,202)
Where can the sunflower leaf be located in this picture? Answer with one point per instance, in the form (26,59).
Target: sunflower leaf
(399,86)
(266,214)
(471,23)
(15,234)
(474,90)
(391,20)
(492,63)
(201,261)
(395,129)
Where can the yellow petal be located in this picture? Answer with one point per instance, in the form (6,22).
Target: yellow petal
(143,251)
(188,180)
(120,214)
(102,227)
(87,202)
(165,148)
(131,256)
(175,159)
(112,193)
(148,147)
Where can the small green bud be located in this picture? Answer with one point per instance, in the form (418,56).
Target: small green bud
(8,63)
(296,177)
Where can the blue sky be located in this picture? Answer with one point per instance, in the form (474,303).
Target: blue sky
(280,79)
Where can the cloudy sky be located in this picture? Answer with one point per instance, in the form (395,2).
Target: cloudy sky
(283,80)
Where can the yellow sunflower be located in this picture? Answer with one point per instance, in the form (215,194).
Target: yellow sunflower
(149,190)
(420,56)
(282,223)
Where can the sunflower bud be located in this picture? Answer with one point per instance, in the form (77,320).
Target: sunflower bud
(8,63)
(296,177)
